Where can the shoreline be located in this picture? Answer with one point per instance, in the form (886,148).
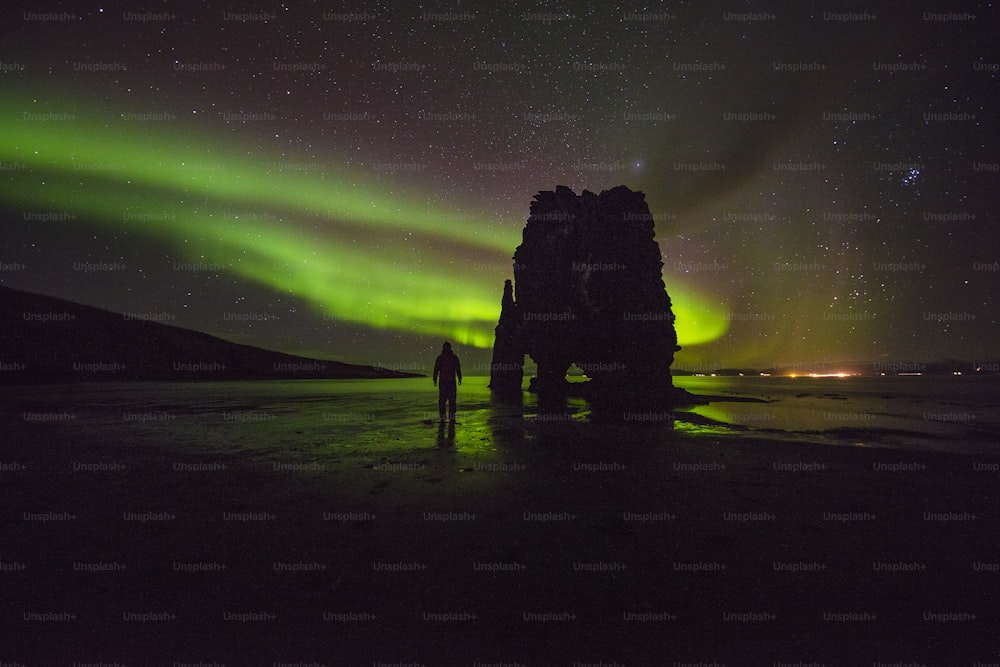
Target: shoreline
(250,543)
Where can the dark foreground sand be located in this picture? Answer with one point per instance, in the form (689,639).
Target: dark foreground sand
(570,544)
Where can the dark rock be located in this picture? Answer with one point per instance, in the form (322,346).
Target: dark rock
(588,290)
(507,367)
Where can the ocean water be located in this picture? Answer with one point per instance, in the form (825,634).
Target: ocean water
(957,413)
(311,419)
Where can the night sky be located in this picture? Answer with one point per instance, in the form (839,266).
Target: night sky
(350,181)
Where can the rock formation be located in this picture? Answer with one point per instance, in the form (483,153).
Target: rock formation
(588,290)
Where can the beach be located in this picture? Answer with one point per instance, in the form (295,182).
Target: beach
(323,522)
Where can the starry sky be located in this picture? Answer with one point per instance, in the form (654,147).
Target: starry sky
(349,181)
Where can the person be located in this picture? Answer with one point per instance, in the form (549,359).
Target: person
(446,369)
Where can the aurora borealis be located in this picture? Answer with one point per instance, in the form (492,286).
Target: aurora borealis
(352,184)
(118,184)
(267,243)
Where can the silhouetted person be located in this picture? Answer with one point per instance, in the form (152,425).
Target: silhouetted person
(447,369)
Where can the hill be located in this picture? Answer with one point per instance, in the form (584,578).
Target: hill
(44,339)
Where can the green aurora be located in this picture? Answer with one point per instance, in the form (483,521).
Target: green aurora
(352,250)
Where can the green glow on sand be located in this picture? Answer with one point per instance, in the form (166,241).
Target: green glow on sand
(332,237)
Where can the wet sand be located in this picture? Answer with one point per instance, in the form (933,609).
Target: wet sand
(256,531)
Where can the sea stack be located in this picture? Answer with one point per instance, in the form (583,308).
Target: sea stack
(588,290)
